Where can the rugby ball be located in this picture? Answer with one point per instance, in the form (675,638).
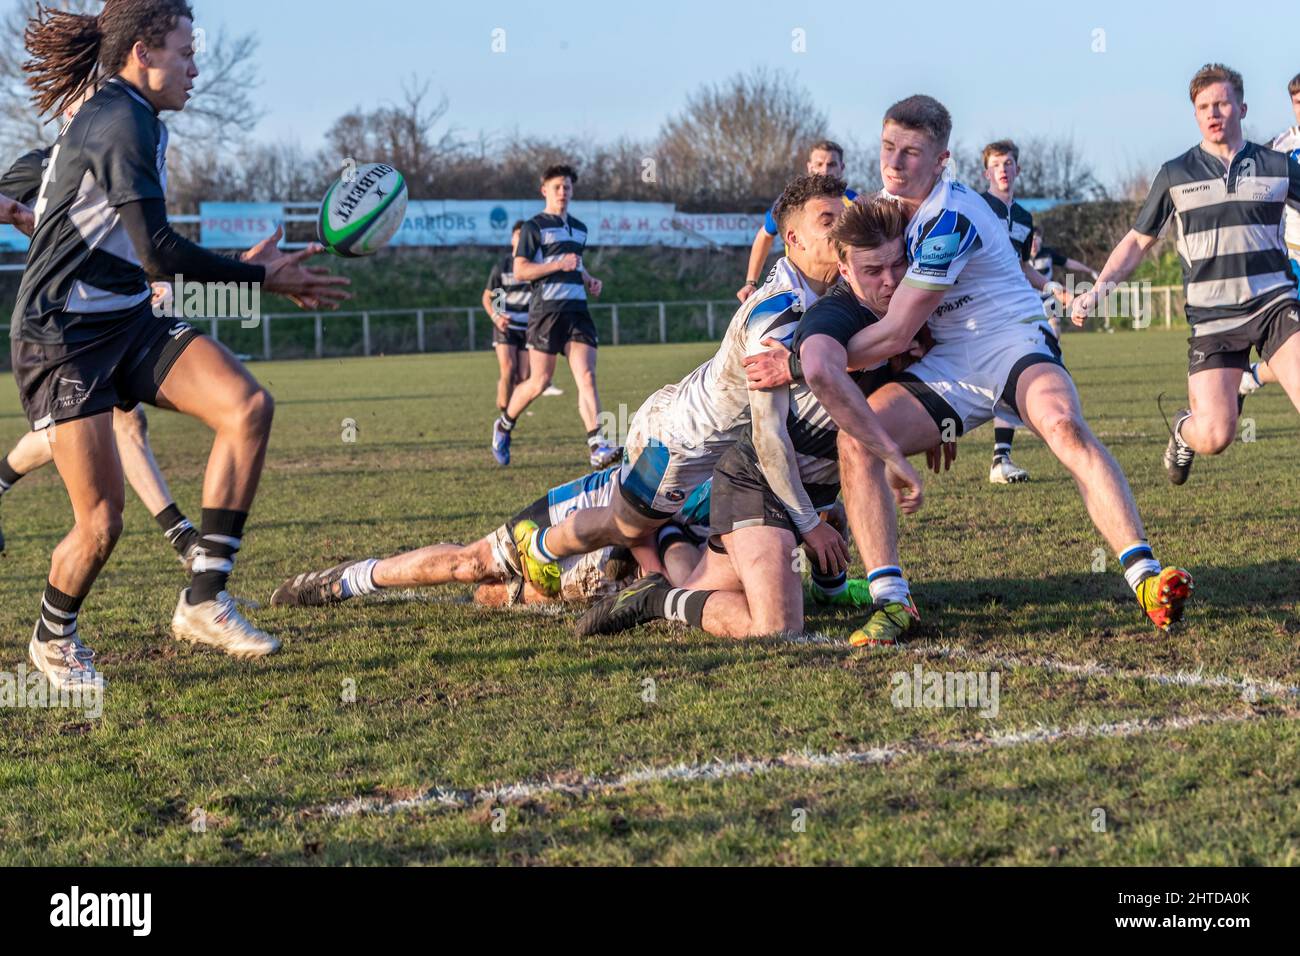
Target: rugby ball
(362,211)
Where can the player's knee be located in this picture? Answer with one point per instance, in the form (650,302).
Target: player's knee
(101,528)
(768,621)
(1065,432)
(1213,436)
(469,568)
(256,412)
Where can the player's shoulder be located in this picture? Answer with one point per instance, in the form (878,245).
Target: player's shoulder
(577,224)
(1288,140)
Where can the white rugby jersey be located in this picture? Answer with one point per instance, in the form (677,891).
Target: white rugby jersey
(707,411)
(957,244)
(1288,141)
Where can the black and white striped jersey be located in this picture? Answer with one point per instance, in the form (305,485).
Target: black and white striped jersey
(510,295)
(1228,230)
(83,273)
(22,181)
(813,433)
(1019,220)
(545,238)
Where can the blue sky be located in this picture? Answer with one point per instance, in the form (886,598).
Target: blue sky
(605,69)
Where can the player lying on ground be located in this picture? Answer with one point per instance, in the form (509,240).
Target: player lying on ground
(748,583)
(993,353)
(492,562)
(1228,197)
(680,433)
(85,337)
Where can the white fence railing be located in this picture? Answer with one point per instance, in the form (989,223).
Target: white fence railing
(444,329)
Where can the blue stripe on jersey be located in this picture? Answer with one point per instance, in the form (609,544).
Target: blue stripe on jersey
(696,509)
(643,479)
(587,484)
(774,305)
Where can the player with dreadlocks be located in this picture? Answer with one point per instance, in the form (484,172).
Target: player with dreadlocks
(85,337)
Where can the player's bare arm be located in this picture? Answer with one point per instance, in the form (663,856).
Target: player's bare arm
(893,335)
(1119,266)
(780,466)
(531,271)
(824,362)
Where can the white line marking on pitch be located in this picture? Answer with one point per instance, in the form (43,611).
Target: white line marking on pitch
(1264,688)
(451,798)
(1197,678)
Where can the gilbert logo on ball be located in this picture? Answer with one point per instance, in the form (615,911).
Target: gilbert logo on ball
(363,211)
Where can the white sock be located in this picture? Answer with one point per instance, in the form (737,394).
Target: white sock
(359,579)
(887,584)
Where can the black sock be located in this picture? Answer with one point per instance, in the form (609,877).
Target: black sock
(685,606)
(222,531)
(58,615)
(1002,439)
(506,422)
(594,437)
(8,477)
(177,528)
(830,583)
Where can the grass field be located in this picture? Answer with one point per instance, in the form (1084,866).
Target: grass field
(765,752)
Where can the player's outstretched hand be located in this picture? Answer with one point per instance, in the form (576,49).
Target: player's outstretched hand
(594,285)
(745,291)
(770,369)
(17,215)
(1084,305)
(905,483)
(309,287)
(940,458)
(827,548)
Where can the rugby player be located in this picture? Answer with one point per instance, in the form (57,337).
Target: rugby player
(506,299)
(826,158)
(130,427)
(1001,170)
(681,431)
(747,585)
(1287,141)
(993,353)
(492,562)
(1227,197)
(549,255)
(85,338)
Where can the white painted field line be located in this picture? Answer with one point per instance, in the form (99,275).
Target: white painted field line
(1197,678)
(457,799)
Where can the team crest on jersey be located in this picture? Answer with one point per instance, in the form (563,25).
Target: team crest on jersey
(942,242)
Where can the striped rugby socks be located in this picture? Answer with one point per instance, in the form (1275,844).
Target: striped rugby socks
(888,585)
(223,532)
(1139,564)
(58,615)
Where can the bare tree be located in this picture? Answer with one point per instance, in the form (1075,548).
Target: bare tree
(404,134)
(221,112)
(738,141)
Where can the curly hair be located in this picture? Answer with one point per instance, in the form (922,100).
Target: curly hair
(803,188)
(72,52)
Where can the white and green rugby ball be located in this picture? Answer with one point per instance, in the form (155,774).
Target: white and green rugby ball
(362,211)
